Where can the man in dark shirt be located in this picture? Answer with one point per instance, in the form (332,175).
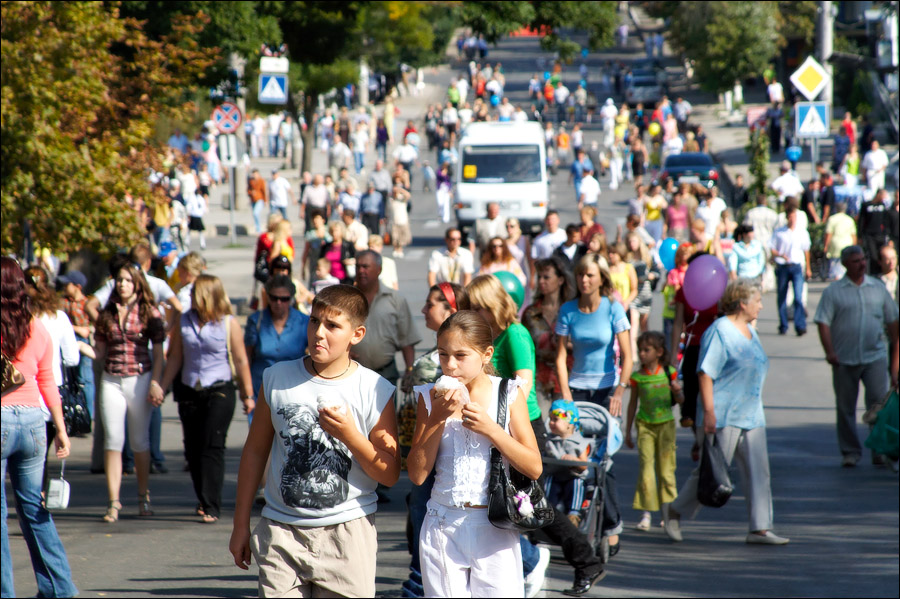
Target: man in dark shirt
(873,228)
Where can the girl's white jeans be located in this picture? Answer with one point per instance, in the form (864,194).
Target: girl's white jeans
(464,555)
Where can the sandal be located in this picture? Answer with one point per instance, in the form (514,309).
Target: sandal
(112,511)
(644,524)
(199,510)
(209,519)
(144,505)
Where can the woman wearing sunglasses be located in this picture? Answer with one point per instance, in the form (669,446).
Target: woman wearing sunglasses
(199,350)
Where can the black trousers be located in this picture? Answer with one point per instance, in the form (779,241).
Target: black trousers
(691,382)
(575,546)
(205,417)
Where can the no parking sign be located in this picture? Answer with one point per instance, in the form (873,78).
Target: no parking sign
(227,117)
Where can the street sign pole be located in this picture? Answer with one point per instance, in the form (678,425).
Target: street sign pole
(232,178)
(814,156)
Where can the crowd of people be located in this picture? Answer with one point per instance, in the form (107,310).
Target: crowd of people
(540,325)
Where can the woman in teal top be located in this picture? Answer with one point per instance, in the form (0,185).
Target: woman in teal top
(732,369)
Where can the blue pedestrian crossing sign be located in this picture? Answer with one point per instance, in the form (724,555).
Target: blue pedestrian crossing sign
(813,119)
(273,88)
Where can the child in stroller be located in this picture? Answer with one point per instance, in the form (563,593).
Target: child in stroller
(565,442)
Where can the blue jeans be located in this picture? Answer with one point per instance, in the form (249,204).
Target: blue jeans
(359,161)
(86,378)
(258,208)
(787,274)
(281,210)
(273,144)
(24,447)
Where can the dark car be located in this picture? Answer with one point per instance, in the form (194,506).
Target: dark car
(690,167)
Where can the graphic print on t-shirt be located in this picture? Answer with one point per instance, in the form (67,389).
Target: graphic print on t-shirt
(315,473)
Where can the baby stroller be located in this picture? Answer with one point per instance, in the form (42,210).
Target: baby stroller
(603,429)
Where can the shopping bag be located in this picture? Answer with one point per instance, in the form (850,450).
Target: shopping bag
(884,439)
(715,486)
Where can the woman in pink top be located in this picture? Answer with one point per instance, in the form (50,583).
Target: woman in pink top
(26,343)
(677,218)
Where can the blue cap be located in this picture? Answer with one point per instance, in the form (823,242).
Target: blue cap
(166,248)
(568,407)
(75,277)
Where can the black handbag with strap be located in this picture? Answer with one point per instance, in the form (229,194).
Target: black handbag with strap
(714,488)
(74,403)
(507,490)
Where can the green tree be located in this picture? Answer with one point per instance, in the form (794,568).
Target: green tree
(496,20)
(82,90)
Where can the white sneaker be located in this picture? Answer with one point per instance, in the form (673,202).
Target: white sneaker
(535,580)
(770,538)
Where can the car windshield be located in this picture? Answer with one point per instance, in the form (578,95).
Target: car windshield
(501,164)
(694,160)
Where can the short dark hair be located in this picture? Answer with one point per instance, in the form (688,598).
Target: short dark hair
(451,230)
(572,228)
(343,299)
(281,282)
(552,211)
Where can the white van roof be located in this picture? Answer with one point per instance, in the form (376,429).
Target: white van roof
(497,133)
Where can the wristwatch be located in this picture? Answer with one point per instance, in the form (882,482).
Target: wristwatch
(624,385)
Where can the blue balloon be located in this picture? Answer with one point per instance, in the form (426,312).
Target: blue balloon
(495,100)
(667,251)
(546,75)
(584,52)
(793,153)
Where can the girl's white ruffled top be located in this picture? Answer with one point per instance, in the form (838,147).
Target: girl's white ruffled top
(463,464)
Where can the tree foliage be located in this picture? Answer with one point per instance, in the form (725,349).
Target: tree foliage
(82,90)
(496,20)
(729,41)
(230,27)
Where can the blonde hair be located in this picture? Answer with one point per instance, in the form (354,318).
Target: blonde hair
(376,240)
(209,300)
(282,230)
(273,220)
(335,225)
(606,287)
(642,253)
(738,292)
(487,292)
(192,263)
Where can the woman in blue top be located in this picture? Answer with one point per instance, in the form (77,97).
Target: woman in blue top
(732,369)
(276,333)
(747,259)
(592,323)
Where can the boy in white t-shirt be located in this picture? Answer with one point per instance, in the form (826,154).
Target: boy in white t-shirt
(336,440)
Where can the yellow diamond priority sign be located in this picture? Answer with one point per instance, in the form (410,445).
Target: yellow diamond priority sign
(810,79)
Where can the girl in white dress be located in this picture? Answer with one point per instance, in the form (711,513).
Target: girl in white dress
(462,553)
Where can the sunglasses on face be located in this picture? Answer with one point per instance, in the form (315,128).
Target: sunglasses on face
(280,298)
(561,414)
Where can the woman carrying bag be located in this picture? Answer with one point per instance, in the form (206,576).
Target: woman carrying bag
(28,348)
(732,369)
(199,349)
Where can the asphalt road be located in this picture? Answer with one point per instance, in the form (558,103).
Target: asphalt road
(842,523)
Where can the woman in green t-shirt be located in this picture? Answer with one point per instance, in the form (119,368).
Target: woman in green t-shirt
(513,347)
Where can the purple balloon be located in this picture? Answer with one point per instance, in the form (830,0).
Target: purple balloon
(705,282)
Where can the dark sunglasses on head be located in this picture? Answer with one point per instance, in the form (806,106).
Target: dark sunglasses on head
(280,298)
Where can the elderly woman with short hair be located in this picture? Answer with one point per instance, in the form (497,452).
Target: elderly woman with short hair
(732,369)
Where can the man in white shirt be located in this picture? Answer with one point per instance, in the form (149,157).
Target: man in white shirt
(280,194)
(776,92)
(560,97)
(273,123)
(787,184)
(357,233)
(764,221)
(455,264)
(874,164)
(462,86)
(257,137)
(465,116)
(487,228)
(790,248)
(710,210)
(550,239)
(450,117)
(589,190)
(315,197)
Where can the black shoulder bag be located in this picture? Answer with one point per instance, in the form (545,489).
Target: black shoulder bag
(714,488)
(506,490)
(74,403)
